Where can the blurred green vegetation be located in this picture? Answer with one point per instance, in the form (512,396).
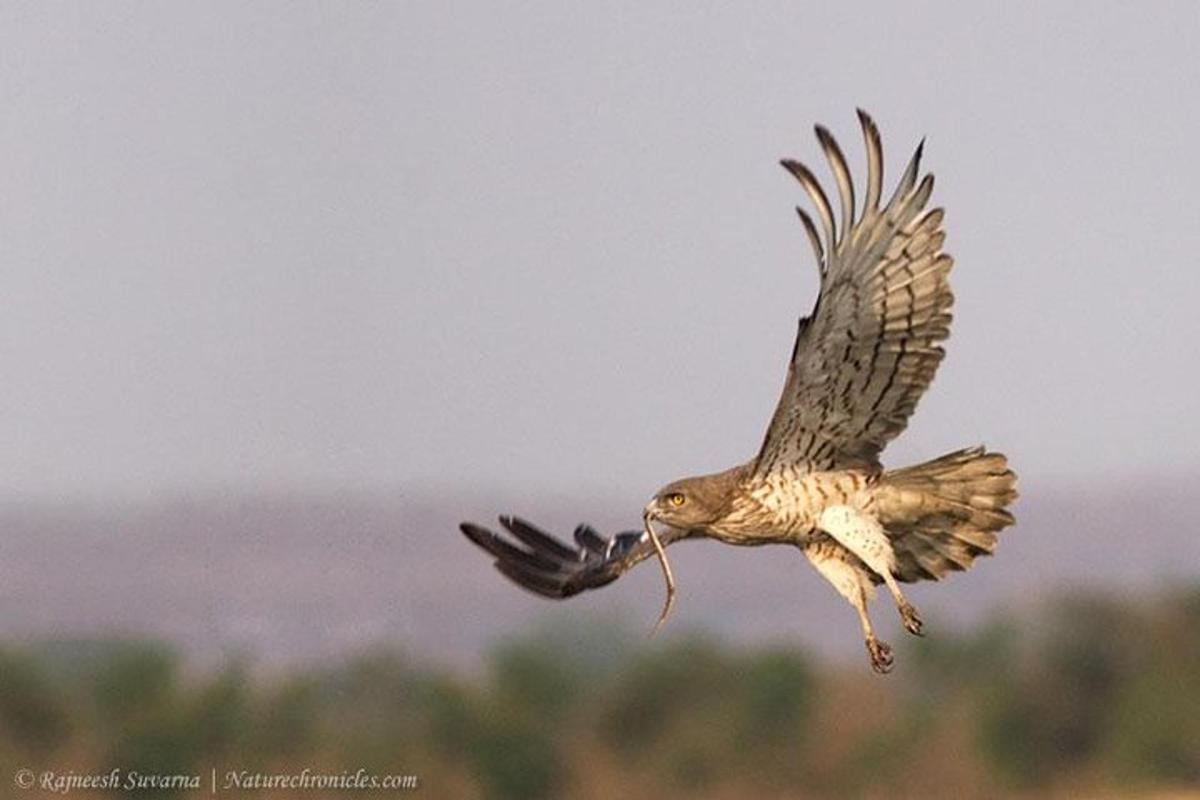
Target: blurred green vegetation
(1087,695)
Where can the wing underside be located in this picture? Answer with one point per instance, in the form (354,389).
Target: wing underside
(869,349)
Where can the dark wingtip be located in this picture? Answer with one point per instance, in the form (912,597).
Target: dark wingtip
(920,149)
(536,582)
(587,538)
(475,533)
(828,143)
(799,171)
(536,538)
(504,551)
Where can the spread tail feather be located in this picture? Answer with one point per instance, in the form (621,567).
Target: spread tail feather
(942,514)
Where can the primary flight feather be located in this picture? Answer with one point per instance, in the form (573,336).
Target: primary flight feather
(861,360)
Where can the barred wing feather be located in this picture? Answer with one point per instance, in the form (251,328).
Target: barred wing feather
(869,349)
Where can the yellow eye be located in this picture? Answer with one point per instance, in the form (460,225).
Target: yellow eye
(675,499)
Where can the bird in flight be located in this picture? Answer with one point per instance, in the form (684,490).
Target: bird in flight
(862,359)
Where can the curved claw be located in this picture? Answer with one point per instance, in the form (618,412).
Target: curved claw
(881,655)
(911,619)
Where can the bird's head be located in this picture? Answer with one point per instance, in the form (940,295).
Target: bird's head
(691,503)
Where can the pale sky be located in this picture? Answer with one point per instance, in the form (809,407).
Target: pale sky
(385,247)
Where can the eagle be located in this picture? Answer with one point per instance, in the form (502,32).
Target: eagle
(862,359)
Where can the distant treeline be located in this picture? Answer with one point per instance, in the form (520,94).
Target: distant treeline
(1083,696)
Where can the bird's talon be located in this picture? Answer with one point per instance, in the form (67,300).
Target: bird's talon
(911,619)
(881,655)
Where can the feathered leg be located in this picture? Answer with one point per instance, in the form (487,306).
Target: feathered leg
(862,535)
(844,570)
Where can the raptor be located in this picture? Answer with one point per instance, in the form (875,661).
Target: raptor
(861,360)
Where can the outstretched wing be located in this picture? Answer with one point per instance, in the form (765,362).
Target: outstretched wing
(546,565)
(869,349)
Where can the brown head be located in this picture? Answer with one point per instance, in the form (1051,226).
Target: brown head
(694,503)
